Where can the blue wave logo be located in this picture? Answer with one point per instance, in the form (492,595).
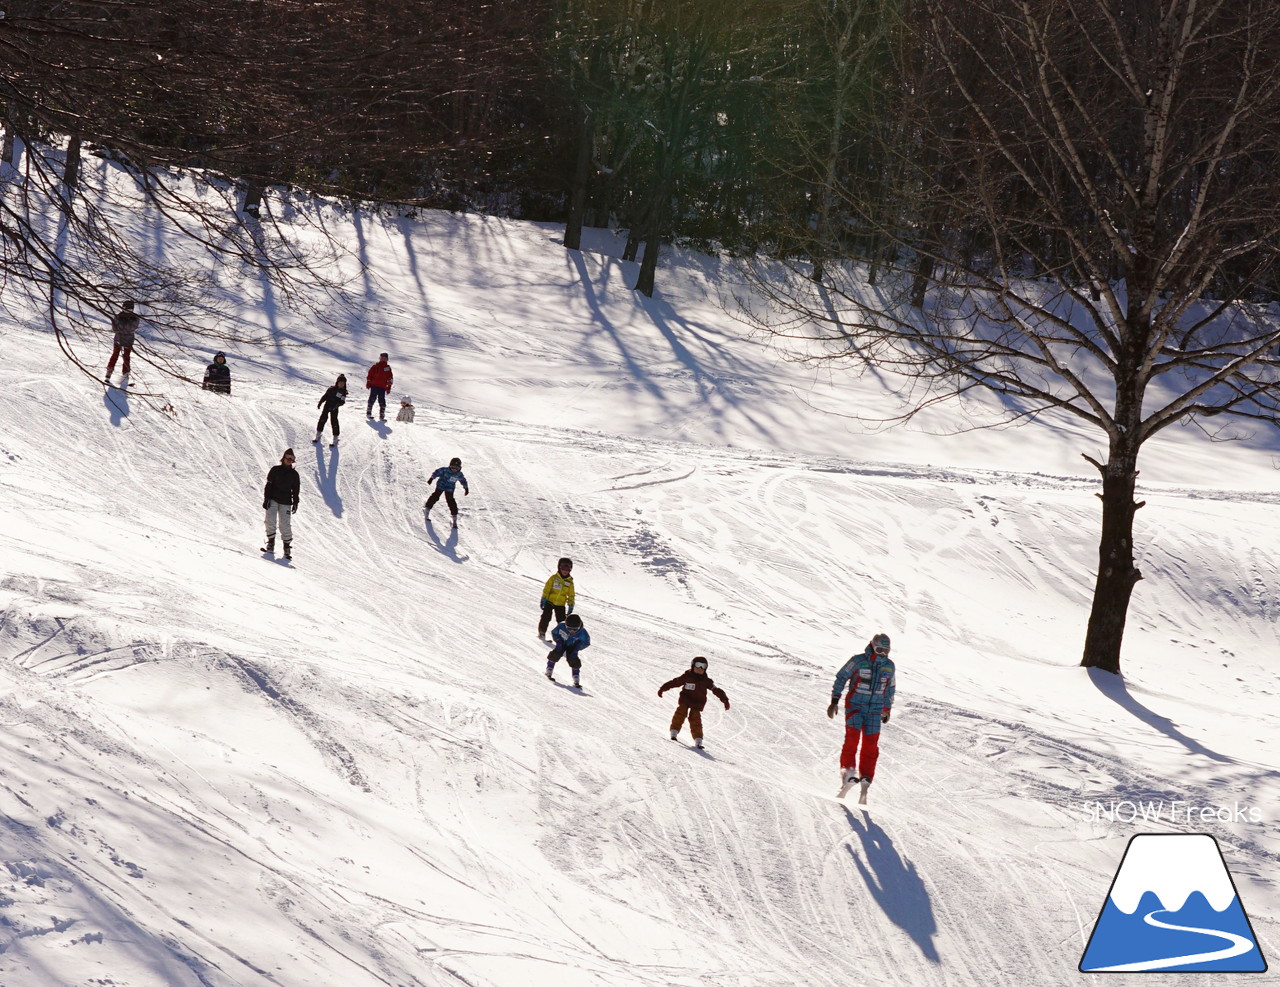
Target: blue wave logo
(1172,908)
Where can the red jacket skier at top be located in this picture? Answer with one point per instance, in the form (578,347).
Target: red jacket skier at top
(379,375)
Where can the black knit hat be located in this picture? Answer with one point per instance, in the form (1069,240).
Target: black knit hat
(287,452)
(573,620)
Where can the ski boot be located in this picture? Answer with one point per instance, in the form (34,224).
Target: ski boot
(316,440)
(334,443)
(270,547)
(551,667)
(697,742)
(288,554)
(675,734)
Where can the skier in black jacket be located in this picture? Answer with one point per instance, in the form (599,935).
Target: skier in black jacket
(331,400)
(217,376)
(280,500)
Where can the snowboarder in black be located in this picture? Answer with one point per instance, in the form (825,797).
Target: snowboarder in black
(217,375)
(280,501)
(331,400)
(694,684)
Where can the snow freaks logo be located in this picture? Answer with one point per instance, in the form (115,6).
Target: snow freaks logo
(1173,811)
(1172,908)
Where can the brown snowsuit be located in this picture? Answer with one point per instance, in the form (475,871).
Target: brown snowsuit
(693,699)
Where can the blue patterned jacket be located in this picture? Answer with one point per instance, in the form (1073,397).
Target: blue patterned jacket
(446,479)
(870,680)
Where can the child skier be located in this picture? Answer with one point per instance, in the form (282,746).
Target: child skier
(694,685)
(280,501)
(446,478)
(330,401)
(217,375)
(405,414)
(570,637)
(870,677)
(557,596)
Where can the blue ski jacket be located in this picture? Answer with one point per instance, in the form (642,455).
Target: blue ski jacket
(871,687)
(567,639)
(446,479)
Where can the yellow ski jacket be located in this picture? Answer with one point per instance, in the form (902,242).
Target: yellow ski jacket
(559,590)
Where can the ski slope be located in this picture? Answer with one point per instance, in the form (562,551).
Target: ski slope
(221,770)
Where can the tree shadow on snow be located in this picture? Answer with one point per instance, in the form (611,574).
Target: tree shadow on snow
(448,547)
(894,883)
(327,478)
(1113,687)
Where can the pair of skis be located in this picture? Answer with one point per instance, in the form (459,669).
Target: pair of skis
(862,783)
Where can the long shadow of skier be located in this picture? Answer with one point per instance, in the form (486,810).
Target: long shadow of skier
(448,547)
(116,400)
(378,426)
(327,479)
(894,883)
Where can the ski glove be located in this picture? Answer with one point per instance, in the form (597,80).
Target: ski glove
(266,503)
(568,609)
(726,704)
(831,710)
(544,603)
(884,717)
(293,509)
(660,691)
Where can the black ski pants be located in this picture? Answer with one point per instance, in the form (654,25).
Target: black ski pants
(448,499)
(568,654)
(332,415)
(545,622)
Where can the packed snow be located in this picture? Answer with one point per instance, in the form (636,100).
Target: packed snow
(220,769)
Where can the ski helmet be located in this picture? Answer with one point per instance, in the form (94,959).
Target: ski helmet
(699,662)
(219,356)
(573,620)
(455,462)
(565,563)
(880,644)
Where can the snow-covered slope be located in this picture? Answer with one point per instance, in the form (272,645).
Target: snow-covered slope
(220,770)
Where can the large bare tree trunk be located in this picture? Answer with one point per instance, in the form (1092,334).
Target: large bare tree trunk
(71,170)
(1117,574)
(581,175)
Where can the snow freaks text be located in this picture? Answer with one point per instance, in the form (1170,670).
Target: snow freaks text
(1174,811)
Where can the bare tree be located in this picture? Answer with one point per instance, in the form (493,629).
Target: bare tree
(1088,189)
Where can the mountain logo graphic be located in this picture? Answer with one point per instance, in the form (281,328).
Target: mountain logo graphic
(1172,908)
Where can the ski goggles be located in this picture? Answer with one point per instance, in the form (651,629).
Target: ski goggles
(881,649)
(700,664)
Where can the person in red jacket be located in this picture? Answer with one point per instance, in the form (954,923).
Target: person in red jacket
(378,381)
(694,685)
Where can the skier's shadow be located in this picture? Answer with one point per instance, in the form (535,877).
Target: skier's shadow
(380,427)
(894,883)
(448,547)
(116,400)
(327,479)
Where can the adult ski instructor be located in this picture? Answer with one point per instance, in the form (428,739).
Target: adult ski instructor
(378,380)
(870,678)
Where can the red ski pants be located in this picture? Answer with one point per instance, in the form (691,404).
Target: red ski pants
(870,751)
